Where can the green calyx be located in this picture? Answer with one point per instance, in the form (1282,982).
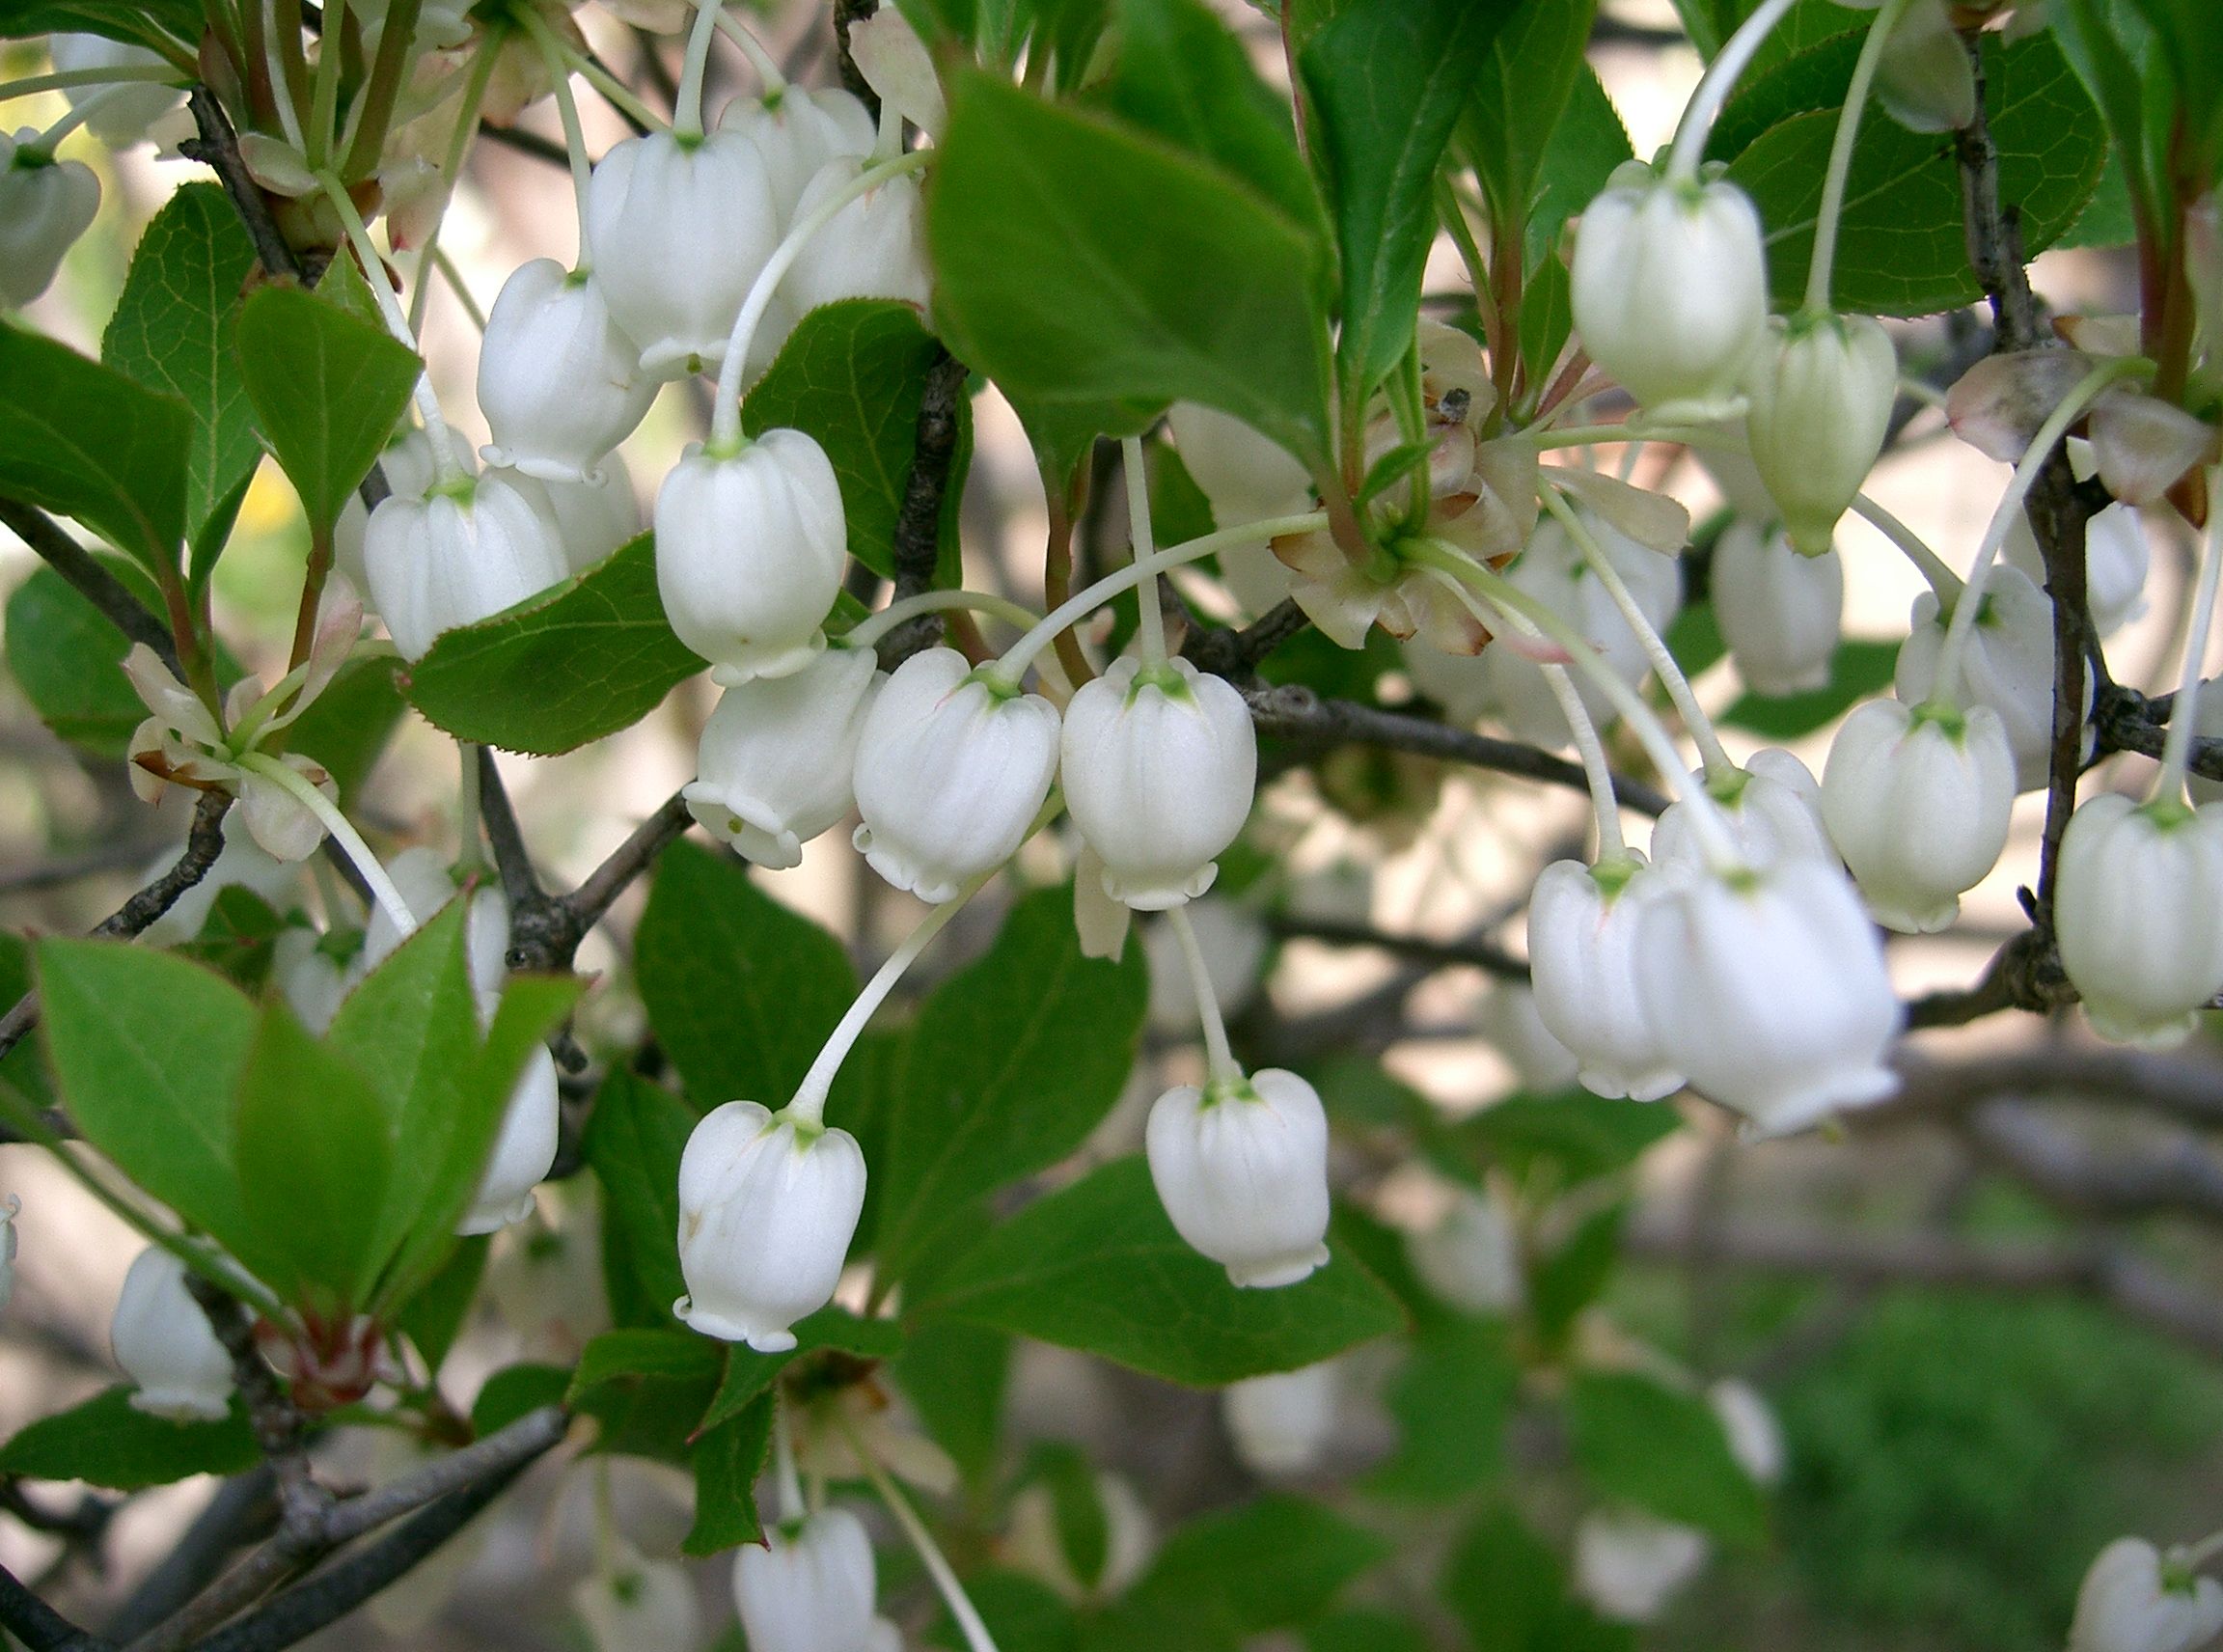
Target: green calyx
(999,686)
(1727,788)
(32,158)
(1162,676)
(1226,1089)
(1614,875)
(2168,814)
(1947,716)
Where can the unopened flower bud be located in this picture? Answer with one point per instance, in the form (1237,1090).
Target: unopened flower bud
(161,1338)
(44,206)
(1670,291)
(874,247)
(462,555)
(1281,1424)
(797,134)
(1582,964)
(1159,765)
(810,1588)
(2008,665)
(2116,562)
(767,1206)
(1779,612)
(1772,806)
(1630,1565)
(1917,799)
(776,766)
(1822,388)
(951,768)
(1242,1169)
(679,228)
(2134,912)
(1471,1256)
(631,1604)
(750,548)
(122,111)
(559,385)
(1767,989)
(2136,1599)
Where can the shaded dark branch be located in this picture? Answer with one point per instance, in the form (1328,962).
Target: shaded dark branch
(85,1521)
(85,575)
(202,844)
(526,143)
(37,1625)
(507,1449)
(2179,1086)
(1295,713)
(544,932)
(1236,654)
(511,859)
(279,1429)
(2124,720)
(1993,232)
(1473,952)
(847,14)
(2026,974)
(218,148)
(243,1510)
(918,546)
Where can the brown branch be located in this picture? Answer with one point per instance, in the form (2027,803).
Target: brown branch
(85,575)
(37,1625)
(545,932)
(218,148)
(1474,953)
(2180,1086)
(2026,974)
(1236,655)
(243,1510)
(918,542)
(1297,714)
(847,14)
(2124,720)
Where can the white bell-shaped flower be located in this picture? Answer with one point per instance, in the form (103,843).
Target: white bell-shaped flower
(459,556)
(427,883)
(873,247)
(162,1340)
(750,548)
(677,230)
(1924,81)
(122,110)
(2116,560)
(559,383)
(592,518)
(1245,477)
(1772,807)
(1767,990)
(524,1150)
(951,768)
(1234,942)
(2136,1599)
(1470,1255)
(797,133)
(1755,1438)
(10,1208)
(1513,1026)
(1779,612)
(1670,291)
(1281,1424)
(1822,388)
(44,206)
(810,1588)
(1242,1169)
(776,761)
(2134,912)
(410,472)
(767,1206)
(632,1604)
(1917,799)
(2008,666)
(1630,1565)
(1583,967)
(1159,765)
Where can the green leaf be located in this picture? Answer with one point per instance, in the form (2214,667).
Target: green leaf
(1586,144)
(173,330)
(1901,249)
(67,659)
(741,990)
(515,1390)
(310,1135)
(956,1375)
(1097,1266)
(237,938)
(1508,1589)
(1011,1062)
(1386,80)
(746,1373)
(1360,1630)
(1858,670)
(1547,319)
(1078,262)
(162,24)
(727,1463)
(150,1049)
(1275,1563)
(1574,1137)
(1639,1442)
(1570,1278)
(618,1356)
(347,727)
(579,661)
(85,441)
(107,1443)
(853,375)
(1519,93)
(434,1316)
(327,391)
(1022,1612)
(633,1140)
(1451,1402)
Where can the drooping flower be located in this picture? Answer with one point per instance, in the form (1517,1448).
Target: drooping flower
(1241,1166)
(162,1340)
(775,764)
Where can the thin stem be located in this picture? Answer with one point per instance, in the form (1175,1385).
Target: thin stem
(790,1483)
(51,138)
(869,630)
(62,79)
(456,284)
(324,110)
(809,1102)
(1718,767)
(451,167)
(2034,457)
(1634,430)
(2185,713)
(726,427)
(1942,580)
(931,1555)
(1841,154)
(343,833)
(470,852)
(2202,1552)
(1150,628)
(281,74)
(1721,79)
(1219,1059)
(615,92)
(762,60)
(1013,663)
(574,135)
(687,106)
